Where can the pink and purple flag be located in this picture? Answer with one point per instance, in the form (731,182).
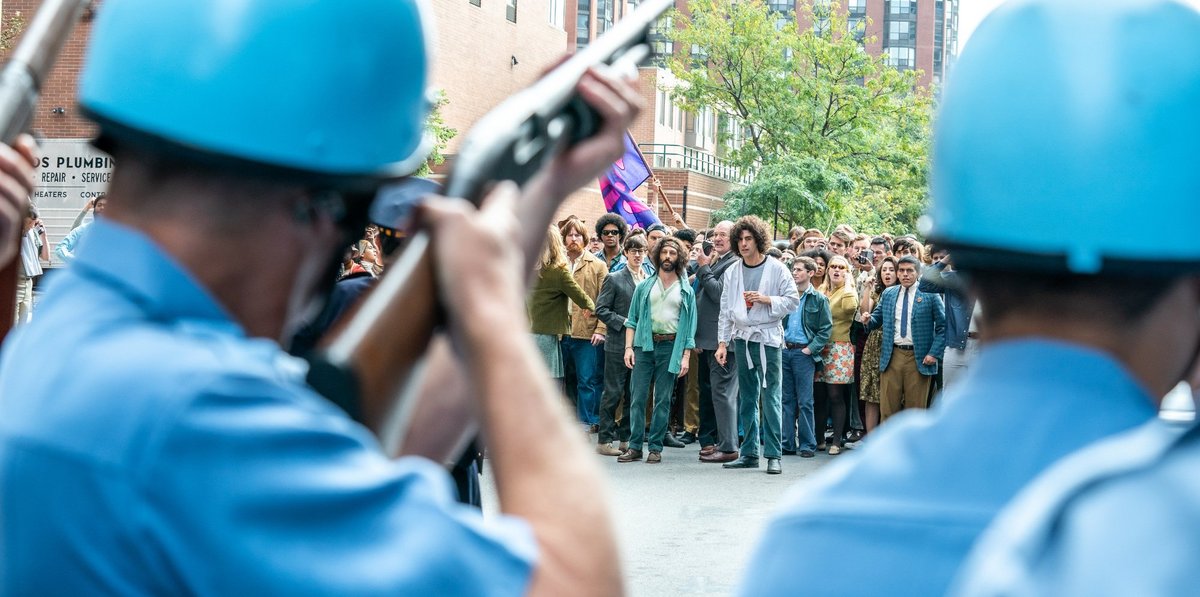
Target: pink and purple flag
(617,186)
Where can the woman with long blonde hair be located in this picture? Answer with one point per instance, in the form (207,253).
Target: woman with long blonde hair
(549,318)
(832,388)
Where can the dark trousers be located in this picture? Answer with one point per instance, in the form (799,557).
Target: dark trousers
(616,380)
(707,435)
(722,403)
(831,401)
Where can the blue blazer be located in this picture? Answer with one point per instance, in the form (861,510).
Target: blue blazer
(928,326)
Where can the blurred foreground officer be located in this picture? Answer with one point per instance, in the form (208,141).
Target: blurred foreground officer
(1051,162)
(1122,517)
(173,448)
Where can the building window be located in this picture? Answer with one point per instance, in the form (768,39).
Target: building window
(901,31)
(902,7)
(857,27)
(858,7)
(604,15)
(780,6)
(583,25)
(662,47)
(902,58)
(510,11)
(557,10)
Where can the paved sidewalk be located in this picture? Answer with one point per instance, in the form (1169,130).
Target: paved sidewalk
(687,527)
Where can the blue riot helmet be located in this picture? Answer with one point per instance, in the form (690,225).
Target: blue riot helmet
(322,90)
(1066,139)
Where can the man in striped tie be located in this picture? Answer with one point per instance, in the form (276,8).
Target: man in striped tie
(914,338)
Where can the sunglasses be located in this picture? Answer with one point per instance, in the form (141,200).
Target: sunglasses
(837,267)
(611,233)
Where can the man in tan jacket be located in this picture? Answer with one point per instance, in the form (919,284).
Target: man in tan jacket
(583,349)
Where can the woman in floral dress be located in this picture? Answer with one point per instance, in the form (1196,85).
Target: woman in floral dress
(832,396)
(885,276)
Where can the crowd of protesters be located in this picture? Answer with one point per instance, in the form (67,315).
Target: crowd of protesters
(755,348)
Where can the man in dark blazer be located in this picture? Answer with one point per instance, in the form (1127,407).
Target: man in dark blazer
(914,323)
(612,307)
(718,383)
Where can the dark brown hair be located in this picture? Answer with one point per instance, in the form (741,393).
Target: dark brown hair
(757,229)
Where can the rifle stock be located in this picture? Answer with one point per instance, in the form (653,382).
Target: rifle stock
(20,83)
(384,342)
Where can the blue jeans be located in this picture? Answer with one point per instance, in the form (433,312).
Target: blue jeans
(651,366)
(798,370)
(751,392)
(588,373)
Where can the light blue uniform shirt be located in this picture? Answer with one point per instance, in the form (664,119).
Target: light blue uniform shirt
(1116,518)
(149,447)
(898,516)
(794,334)
(65,249)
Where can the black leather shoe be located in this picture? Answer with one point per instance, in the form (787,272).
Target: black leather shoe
(806,454)
(773,467)
(789,452)
(688,438)
(670,442)
(743,462)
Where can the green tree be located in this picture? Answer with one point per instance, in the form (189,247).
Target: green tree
(442,134)
(10,31)
(839,132)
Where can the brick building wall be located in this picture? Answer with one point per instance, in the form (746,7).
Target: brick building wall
(59,90)
(926,12)
(474,52)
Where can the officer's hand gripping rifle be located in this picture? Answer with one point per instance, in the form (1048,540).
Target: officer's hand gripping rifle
(379,350)
(20,82)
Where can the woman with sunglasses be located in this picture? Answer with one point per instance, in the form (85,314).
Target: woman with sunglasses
(831,392)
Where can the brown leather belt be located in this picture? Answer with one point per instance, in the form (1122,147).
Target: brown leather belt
(796,346)
(903,346)
(664,337)
(973,335)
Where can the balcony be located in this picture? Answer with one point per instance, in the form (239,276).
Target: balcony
(665,155)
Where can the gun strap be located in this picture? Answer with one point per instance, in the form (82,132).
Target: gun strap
(336,383)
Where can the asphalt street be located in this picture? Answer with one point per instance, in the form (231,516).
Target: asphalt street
(687,527)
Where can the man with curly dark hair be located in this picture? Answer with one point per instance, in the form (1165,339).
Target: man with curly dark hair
(612,231)
(759,293)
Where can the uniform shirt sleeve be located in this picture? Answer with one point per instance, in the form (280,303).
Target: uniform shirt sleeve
(255,491)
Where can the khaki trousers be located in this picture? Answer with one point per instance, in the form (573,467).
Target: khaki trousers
(901,386)
(691,408)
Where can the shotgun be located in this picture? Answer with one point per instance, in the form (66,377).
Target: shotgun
(379,352)
(20,83)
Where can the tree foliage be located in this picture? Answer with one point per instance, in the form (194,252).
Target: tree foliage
(441,132)
(10,31)
(837,133)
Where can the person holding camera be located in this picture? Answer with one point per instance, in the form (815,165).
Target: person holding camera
(34,250)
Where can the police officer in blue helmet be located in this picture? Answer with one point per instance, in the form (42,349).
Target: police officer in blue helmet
(170,446)
(1065,186)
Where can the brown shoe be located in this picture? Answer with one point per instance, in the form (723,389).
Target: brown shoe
(720,457)
(709,449)
(630,456)
(607,450)
(654,458)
